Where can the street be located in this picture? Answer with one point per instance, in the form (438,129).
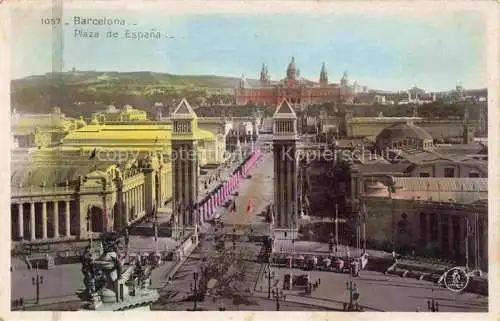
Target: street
(257,192)
(379,292)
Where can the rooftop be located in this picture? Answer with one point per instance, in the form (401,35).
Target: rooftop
(445,190)
(125,133)
(462,149)
(381,168)
(51,175)
(384,119)
(404,130)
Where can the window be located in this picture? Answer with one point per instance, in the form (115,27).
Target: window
(473,174)
(425,175)
(449,172)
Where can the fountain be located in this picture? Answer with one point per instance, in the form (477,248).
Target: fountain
(113,285)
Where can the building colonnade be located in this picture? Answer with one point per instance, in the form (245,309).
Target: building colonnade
(448,232)
(43,220)
(134,200)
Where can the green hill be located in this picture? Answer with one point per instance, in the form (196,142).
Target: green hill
(144,78)
(75,91)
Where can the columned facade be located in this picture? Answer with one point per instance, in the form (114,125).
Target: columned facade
(72,213)
(41,220)
(443,230)
(285,170)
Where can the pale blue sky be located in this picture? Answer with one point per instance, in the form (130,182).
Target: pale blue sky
(383,51)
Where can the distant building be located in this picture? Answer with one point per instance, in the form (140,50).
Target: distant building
(127,113)
(298,91)
(440,129)
(42,130)
(431,216)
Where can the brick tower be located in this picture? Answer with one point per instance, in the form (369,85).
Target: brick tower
(184,169)
(285,171)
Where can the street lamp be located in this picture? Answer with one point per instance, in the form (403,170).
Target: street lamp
(234,237)
(270,275)
(353,297)
(363,221)
(278,296)
(195,290)
(37,281)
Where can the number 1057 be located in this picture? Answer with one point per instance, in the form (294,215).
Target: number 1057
(50,21)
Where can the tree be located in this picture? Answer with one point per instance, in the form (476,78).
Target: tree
(230,268)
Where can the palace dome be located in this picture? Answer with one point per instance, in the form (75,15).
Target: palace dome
(291,71)
(404,135)
(406,130)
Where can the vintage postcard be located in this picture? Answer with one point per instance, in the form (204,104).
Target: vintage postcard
(250,156)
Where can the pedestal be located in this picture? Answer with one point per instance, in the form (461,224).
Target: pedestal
(96,301)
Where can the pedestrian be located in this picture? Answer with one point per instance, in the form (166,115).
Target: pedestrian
(319,280)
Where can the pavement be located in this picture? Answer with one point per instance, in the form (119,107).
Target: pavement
(59,284)
(379,292)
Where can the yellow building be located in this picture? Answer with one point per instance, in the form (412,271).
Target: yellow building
(42,130)
(115,172)
(127,113)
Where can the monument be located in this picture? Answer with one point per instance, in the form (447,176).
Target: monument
(113,283)
(185,164)
(285,172)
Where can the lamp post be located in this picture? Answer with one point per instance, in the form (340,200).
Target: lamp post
(195,290)
(353,297)
(37,281)
(234,237)
(270,275)
(278,296)
(363,221)
(336,227)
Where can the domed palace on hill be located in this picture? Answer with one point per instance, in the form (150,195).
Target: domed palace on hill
(298,91)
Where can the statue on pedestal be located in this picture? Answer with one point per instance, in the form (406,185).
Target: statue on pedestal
(107,281)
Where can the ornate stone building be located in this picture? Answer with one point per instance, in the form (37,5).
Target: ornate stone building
(440,129)
(445,217)
(127,113)
(102,176)
(42,130)
(296,90)
(407,150)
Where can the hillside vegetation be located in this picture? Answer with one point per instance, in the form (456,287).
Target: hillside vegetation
(80,93)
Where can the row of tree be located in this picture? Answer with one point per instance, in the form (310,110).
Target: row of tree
(40,98)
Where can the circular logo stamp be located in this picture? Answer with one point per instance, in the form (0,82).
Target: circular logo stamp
(456,279)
